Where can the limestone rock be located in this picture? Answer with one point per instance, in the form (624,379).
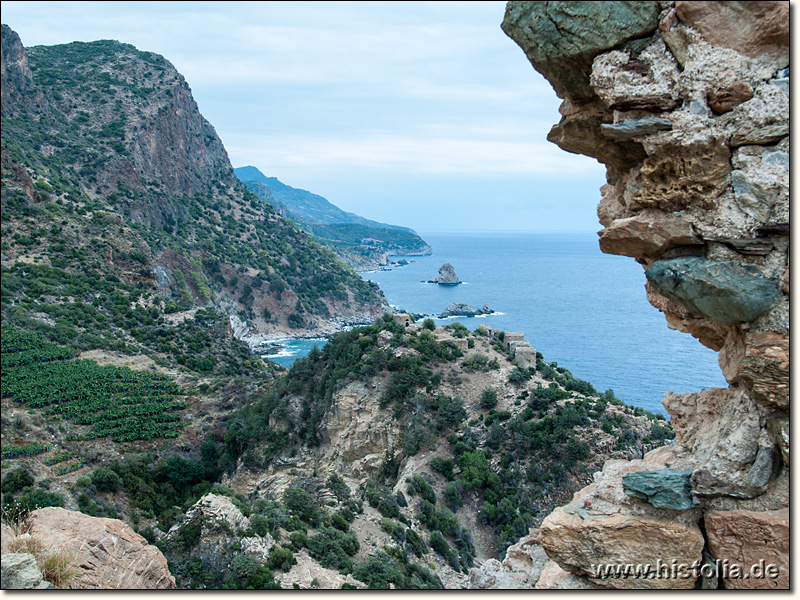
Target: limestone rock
(648,82)
(585,136)
(109,553)
(725,292)
(663,488)
(214,509)
(561,38)
(720,429)
(766,134)
(447,276)
(580,544)
(765,368)
(678,174)
(20,572)
(554,577)
(635,127)
(778,429)
(726,99)
(357,434)
(309,574)
(757,29)
(520,569)
(647,235)
(748,538)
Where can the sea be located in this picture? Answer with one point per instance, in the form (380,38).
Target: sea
(581,308)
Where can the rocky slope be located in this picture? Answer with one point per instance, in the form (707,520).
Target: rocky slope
(687,105)
(434,445)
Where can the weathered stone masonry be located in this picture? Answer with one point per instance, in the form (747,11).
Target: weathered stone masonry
(687,105)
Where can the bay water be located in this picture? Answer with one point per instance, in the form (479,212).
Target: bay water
(577,306)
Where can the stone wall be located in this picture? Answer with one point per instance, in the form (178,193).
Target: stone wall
(687,105)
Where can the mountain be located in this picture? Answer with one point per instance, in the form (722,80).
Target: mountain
(109,170)
(360,242)
(133,262)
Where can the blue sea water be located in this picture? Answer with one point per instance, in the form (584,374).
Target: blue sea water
(577,306)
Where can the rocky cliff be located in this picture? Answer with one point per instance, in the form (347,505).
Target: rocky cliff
(105,151)
(687,105)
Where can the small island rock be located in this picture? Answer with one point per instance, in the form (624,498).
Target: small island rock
(464,310)
(447,276)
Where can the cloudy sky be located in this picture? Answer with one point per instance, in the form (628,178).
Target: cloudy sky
(422,114)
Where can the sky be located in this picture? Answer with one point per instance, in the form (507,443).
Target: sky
(422,114)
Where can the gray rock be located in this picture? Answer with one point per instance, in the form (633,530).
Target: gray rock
(725,292)
(562,38)
(751,196)
(778,429)
(464,310)
(761,471)
(664,488)
(447,276)
(20,572)
(708,485)
(635,127)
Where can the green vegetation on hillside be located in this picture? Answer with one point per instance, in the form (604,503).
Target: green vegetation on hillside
(392,240)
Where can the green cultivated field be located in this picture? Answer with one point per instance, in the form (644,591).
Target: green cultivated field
(116,401)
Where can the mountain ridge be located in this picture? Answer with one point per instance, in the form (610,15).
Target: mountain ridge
(359,242)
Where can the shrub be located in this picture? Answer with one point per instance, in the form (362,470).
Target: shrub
(380,570)
(450,411)
(301,503)
(429,324)
(105,480)
(418,485)
(488,398)
(338,486)
(453,496)
(475,362)
(440,545)
(16,480)
(281,558)
(39,499)
(443,466)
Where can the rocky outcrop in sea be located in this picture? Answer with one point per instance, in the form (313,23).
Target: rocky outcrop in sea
(447,276)
(464,310)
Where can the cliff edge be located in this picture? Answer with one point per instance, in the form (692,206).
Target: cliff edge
(687,105)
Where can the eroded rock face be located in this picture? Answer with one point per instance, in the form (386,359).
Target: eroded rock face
(110,554)
(692,123)
(210,531)
(520,569)
(581,544)
(747,538)
(563,54)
